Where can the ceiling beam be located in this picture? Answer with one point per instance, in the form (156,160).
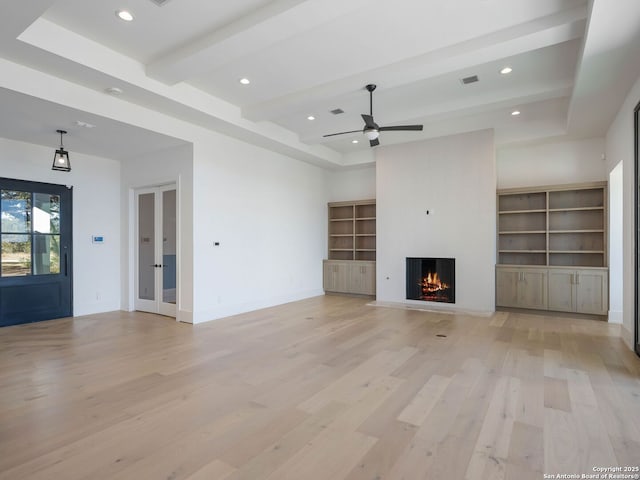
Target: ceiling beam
(539,33)
(608,67)
(261,28)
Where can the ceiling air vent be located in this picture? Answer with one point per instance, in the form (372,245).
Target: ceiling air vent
(468,80)
(337,111)
(160,2)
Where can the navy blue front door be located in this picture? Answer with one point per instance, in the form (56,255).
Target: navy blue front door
(35,254)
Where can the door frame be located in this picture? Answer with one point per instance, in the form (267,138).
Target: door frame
(636,226)
(66,231)
(133,242)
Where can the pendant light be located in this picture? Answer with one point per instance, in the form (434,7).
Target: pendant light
(61,158)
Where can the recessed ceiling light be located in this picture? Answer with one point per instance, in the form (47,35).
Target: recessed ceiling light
(506,70)
(82,124)
(311,117)
(515,113)
(354,141)
(113,91)
(245,81)
(124,15)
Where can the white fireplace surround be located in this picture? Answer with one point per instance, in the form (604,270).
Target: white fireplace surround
(453,178)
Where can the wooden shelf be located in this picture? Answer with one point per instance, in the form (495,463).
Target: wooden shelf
(575,209)
(522,251)
(599,230)
(555,225)
(515,212)
(352,230)
(576,251)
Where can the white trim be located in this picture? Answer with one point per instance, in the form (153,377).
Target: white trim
(229,310)
(627,337)
(616,316)
(154,306)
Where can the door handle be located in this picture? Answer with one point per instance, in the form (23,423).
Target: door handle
(66,270)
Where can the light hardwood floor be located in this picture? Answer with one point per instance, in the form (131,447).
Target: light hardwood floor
(323,389)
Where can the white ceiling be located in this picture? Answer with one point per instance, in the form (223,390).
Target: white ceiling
(307,57)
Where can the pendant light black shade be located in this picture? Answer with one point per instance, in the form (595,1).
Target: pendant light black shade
(61,158)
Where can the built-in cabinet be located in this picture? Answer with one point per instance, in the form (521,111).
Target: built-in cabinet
(579,290)
(552,248)
(351,266)
(521,288)
(349,276)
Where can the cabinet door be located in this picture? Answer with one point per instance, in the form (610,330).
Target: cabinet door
(363,278)
(336,277)
(532,289)
(507,287)
(591,291)
(561,290)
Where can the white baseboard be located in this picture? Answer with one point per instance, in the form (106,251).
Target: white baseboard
(185,316)
(228,310)
(627,337)
(615,316)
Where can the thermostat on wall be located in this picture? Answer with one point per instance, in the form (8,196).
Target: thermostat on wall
(97,239)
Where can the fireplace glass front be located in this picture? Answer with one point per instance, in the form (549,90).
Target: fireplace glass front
(431,279)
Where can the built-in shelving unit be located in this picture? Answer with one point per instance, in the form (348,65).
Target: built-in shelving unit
(351,266)
(352,230)
(560,226)
(552,248)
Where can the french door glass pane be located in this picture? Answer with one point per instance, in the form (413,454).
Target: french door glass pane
(169,246)
(15,255)
(16,211)
(146,247)
(46,254)
(46,213)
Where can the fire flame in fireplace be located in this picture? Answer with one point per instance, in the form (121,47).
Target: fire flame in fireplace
(432,283)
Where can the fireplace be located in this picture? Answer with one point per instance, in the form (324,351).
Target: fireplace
(431,279)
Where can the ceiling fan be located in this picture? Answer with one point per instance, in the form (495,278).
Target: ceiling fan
(371,128)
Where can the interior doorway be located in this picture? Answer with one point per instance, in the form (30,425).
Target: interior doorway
(156,286)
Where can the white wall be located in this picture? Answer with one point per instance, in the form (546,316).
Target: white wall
(268,212)
(455,179)
(551,163)
(357,183)
(619,147)
(96,211)
(173,165)
(616,261)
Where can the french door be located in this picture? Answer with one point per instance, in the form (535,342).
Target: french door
(36,255)
(156,260)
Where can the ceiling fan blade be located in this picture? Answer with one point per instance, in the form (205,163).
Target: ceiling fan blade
(396,128)
(374,142)
(342,133)
(368,122)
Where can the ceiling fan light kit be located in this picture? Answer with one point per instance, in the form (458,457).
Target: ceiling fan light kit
(372,129)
